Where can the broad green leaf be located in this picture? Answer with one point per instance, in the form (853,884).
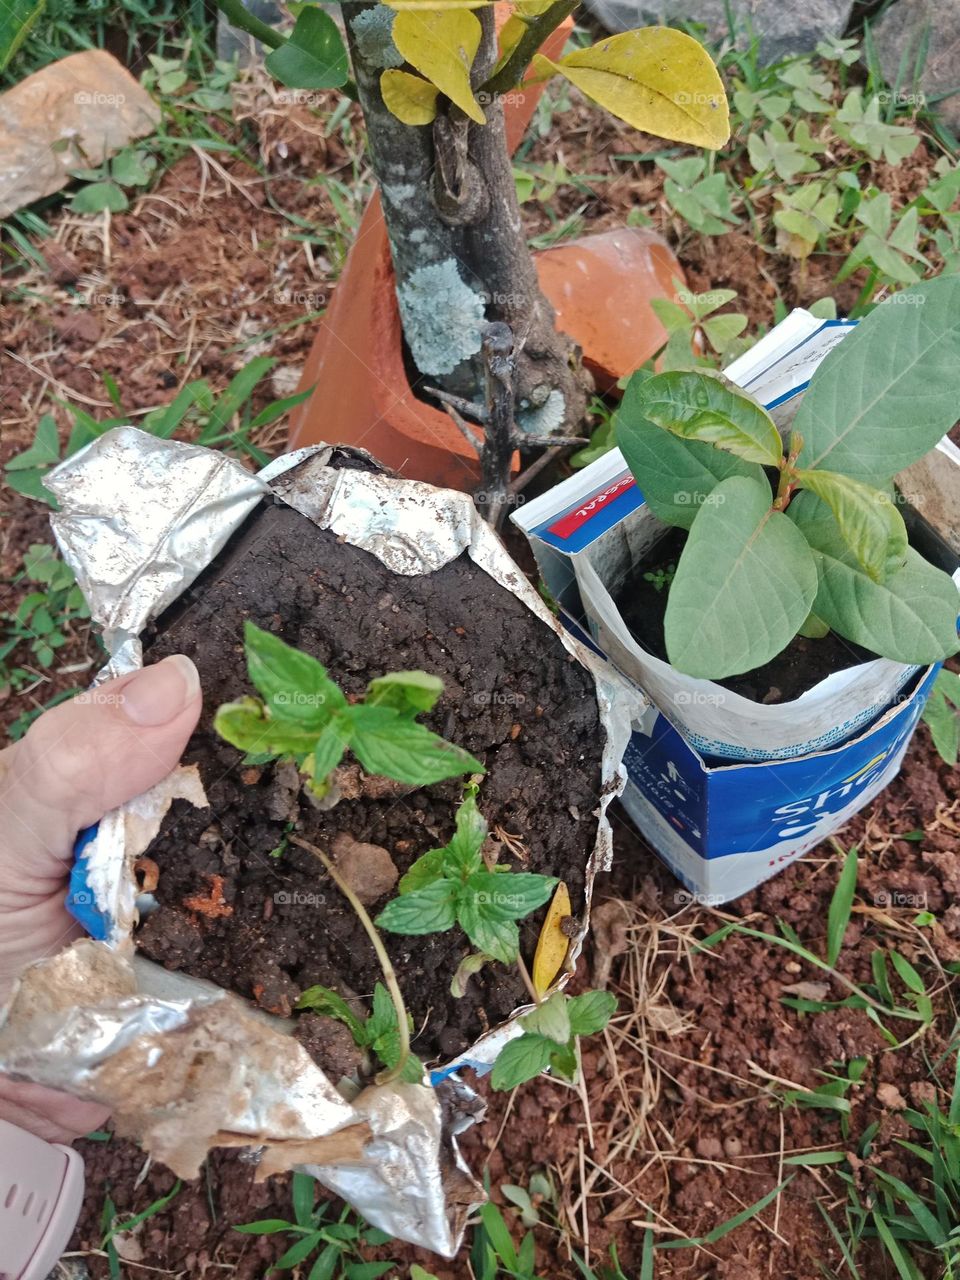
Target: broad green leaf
(410,692)
(510,896)
(745,582)
(294,686)
(45,450)
(471,831)
(441,45)
(246,725)
(869,522)
(942,717)
(841,904)
(314,55)
(590,1012)
(520,1060)
(327,751)
(133,169)
(16,19)
(410,98)
(910,618)
(386,742)
(492,935)
(656,79)
(331,1005)
(550,1019)
(563,1061)
(427,868)
(383,1016)
(887,393)
(99,196)
(699,406)
(675,476)
(431,909)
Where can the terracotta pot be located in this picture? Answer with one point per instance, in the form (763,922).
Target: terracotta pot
(600,285)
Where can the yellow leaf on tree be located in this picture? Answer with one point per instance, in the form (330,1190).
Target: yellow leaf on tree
(516,25)
(553,942)
(420,5)
(442,45)
(656,79)
(411,99)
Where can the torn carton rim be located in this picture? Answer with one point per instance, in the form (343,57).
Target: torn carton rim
(139,519)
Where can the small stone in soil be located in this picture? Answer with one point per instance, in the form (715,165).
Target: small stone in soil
(367,868)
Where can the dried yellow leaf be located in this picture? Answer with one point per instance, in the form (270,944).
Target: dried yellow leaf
(553,941)
(411,99)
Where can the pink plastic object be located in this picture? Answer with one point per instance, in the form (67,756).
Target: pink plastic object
(41,1190)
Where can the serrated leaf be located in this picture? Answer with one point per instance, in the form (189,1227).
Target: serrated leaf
(886,394)
(442,44)
(910,618)
(470,832)
(745,582)
(410,692)
(294,686)
(869,522)
(431,909)
(327,751)
(386,742)
(699,406)
(656,79)
(550,1019)
(509,896)
(553,943)
(676,476)
(313,56)
(429,867)
(520,1060)
(410,98)
(493,935)
(332,1005)
(591,1011)
(246,725)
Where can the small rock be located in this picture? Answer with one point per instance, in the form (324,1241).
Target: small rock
(367,868)
(709,1148)
(732,1147)
(281,802)
(890,1096)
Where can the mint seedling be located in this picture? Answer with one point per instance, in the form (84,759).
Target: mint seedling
(304,716)
(379,1033)
(822,545)
(550,1037)
(452,885)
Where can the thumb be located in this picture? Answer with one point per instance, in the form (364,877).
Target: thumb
(85,757)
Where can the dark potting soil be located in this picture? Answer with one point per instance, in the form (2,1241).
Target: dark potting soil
(798,668)
(255,914)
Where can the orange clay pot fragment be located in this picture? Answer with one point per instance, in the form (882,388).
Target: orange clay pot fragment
(600,285)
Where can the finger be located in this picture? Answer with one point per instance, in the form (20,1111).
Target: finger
(85,757)
(48,1113)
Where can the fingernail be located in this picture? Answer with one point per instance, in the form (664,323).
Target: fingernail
(159,693)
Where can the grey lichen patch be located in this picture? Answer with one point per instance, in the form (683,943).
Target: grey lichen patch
(373,32)
(442,317)
(545,418)
(398,193)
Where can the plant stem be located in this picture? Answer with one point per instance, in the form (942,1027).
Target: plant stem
(788,473)
(386,964)
(512,71)
(528,981)
(239,16)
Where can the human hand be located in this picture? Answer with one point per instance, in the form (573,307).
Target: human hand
(77,762)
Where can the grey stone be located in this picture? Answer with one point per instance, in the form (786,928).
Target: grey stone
(69,115)
(782,28)
(899,35)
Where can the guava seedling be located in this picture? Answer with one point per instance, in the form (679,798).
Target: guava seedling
(809,538)
(303,715)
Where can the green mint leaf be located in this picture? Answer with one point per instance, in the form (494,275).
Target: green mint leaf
(409,692)
(563,1062)
(246,725)
(386,742)
(520,1060)
(550,1019)
(467,840)
(431,909)
(294,686)
(497,938)
(331,1005)
(383,1018)
(328,750)
(429,867)
(590,1012)
(508,895)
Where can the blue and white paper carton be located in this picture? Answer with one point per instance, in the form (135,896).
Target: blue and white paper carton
(726,790)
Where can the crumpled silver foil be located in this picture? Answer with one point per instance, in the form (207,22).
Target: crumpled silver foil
(185,1066)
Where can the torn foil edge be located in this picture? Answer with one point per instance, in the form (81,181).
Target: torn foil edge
(140,519)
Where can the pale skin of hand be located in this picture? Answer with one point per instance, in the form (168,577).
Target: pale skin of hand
(76,763)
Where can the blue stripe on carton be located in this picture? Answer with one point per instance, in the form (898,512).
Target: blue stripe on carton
(80,901)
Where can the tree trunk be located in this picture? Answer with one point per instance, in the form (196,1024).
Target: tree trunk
(459,252)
